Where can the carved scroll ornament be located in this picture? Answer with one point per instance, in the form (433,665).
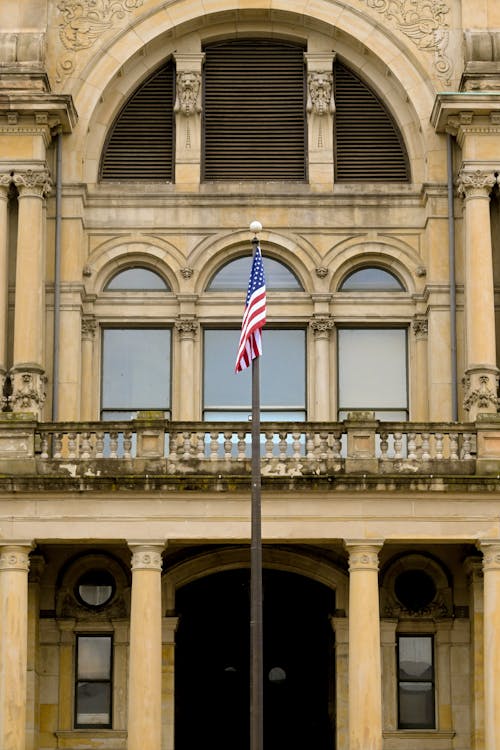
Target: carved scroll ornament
(85,20)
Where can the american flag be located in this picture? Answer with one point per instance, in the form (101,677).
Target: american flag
(254,317)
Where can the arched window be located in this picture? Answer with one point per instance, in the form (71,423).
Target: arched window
(234,276)
(135,280)
(371,279)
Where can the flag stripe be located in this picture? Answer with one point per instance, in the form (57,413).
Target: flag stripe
(254,316)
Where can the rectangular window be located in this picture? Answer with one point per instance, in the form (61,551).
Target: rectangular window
(228,396)
(93,681)
(135,371)
(372,372)
(416,693)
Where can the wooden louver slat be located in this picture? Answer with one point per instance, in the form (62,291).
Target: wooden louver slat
(140,143)
(369,145)
(254,111)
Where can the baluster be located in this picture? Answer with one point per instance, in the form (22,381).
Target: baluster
(426,455)
(337,445)
(453,446)
(44,445)
(72,444)
(113,444)
(85,445)
(186,446)
(296,445)
(282,445)
(200,446)
(127,444)
(57,444)
(439,445)
(398,445)
(323,445)
(228,445)
(412,446)
(173,456)
(214,445)
(269,443)
(99,444)
(310,446)
(467,445)
(241,446)
(384,445)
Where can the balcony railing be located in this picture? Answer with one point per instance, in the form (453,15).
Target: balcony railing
(359,445)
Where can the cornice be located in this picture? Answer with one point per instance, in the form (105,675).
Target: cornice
(454,111)
(37,110)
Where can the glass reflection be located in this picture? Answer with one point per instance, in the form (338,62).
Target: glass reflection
(136,279)
(371,280)
(235,274)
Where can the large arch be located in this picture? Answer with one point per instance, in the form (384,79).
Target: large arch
(388,65)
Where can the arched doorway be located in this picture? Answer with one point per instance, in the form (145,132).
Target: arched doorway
(212,663)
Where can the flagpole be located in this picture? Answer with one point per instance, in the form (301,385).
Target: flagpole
(256,628)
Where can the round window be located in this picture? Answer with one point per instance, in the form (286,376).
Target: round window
(415,590)
(95,588)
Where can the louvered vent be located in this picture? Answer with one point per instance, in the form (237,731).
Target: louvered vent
(140,144)
(254,111)
(369,146)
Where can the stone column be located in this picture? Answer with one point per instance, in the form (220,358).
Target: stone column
(340,627)
(443,669)
(168,679)
(491,569)
(420,330)
(188,119)
(321,328)
(89,326)
(365,682)
(37,565)
(474,570)
(13,645)
(144,684)
(481,375)
(187,328)
(5,180)
(389,673)
(27,374)
(320,111)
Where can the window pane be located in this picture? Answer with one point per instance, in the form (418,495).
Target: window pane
(93,703)
(133,279)
(416,705)
(136,369)
(371,280)
(225,390)
(372,369)
(235,274)
(415,657)
(94,657)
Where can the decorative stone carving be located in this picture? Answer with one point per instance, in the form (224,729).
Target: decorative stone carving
(481,392)
(321,327)
(84,21)
(14,558)
(28,390)
(188,91)
(363,557)
(491,556)
(89,326)
(321,272)
(477,183)
(421,328)
(186,272)
(186,327)
(425,23)
(146,557)
(33,182)
(320,93)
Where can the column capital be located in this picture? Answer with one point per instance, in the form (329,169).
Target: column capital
(321,326)
(420,328)
(491,554)
(89,326)
(186,327)
(15,557)
(363,555)
(475,183)
(146,556)
(5,183)
(33,182)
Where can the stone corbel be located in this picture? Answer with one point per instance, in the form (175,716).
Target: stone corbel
(187,110)
(320,100)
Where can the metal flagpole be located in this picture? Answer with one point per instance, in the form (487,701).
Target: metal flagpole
(256,629)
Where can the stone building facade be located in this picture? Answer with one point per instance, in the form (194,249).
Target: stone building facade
(138,140)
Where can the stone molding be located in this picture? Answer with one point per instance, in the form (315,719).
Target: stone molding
(363,556)
(146,557)
(476,183)
(14,558)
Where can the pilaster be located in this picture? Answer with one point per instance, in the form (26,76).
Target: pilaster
(89,328)
(169,628)
(187,328)
(491,570)
(474,570)
(5,180)
(321,327)
(420,332)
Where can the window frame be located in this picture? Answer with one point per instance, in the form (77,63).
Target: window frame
(109,681)
(416,726)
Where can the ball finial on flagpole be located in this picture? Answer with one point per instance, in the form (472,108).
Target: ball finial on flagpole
(256,227)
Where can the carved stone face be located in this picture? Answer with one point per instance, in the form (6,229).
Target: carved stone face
(188,86)
(320,89)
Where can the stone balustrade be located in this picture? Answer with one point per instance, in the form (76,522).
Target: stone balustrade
(359,445)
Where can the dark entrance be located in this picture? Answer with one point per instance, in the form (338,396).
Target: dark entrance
(212,663)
